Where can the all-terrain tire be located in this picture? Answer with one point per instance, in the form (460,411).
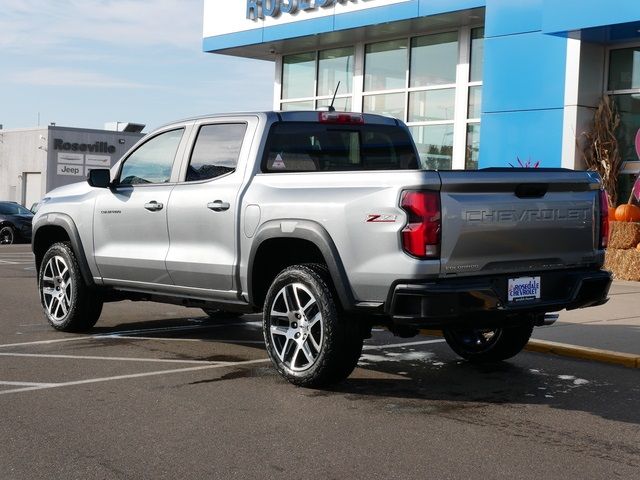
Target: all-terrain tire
(69,304)
(312,323)
(488,345)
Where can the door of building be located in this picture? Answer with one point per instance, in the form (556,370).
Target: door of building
(32,188)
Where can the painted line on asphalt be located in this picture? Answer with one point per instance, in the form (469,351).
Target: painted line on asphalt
(134,375)
(119,359)
(26,384)
(46,342)
(584,353)
(398,345)
(120,334)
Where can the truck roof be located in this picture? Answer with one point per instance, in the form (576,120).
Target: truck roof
(288,116)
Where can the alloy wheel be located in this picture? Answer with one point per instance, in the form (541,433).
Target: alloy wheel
(6,236)
(296,327)
(57,288)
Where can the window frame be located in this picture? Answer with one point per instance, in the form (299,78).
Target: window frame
(462,85)
(117,178)
(628,165)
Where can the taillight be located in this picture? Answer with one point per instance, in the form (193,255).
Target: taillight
(421,236)
(341,118)
(604,219)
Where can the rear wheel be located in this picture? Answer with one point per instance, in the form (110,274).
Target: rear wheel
(68,303)
(309,340)
(488,345)
(7,235)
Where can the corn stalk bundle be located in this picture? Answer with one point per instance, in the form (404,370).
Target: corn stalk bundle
(601,152)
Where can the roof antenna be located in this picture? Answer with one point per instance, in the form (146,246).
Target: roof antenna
(331,108)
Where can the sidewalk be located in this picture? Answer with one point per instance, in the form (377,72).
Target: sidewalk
(613,328)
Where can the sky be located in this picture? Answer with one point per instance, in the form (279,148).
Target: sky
(82,63)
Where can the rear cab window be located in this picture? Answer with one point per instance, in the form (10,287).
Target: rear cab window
(317,147)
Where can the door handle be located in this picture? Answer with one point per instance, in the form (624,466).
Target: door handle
(153,206)
(218,206)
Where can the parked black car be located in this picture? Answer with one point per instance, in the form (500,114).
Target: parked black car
(15,223)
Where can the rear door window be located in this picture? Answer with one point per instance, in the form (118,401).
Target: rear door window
(216,151)
(311,147)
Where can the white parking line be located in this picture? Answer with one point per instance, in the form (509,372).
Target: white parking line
(27,384)
(46,342)
(119,359)
(134,375)
(398,345)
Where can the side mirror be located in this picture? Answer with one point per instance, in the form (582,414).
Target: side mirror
(99,178)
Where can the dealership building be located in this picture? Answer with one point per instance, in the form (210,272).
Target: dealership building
(480,83)
(34,161)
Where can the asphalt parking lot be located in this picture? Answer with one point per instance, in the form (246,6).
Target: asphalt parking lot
(159,391)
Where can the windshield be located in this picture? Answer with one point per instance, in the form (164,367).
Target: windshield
(13,209)
(309,147)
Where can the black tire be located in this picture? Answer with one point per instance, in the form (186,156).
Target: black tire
(488,345)
(68,303)
(339,344)
(219,314)
(7,235)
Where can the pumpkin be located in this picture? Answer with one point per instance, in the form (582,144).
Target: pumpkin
(638,247)
(612,214)
(627,213)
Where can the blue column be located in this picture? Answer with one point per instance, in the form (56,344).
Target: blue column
(523,93)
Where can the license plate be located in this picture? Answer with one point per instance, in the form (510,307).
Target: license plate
(523,289)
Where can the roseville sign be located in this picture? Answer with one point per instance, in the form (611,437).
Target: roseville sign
(97,147)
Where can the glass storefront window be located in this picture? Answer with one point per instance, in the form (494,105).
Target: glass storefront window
(432,105)
(341,104)
(391,104)
(475,102)
(298,75)
(335,66)
(624,69)
(434,59)
(473,146)
(435,145)
(385,65)
(629,109)
(477,54)
(296,106)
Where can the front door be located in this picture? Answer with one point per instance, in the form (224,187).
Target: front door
(131,239)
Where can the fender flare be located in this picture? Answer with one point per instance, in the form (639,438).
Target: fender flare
(315,234)
(65,222)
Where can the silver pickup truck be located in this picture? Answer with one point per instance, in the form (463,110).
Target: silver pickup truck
(328,223)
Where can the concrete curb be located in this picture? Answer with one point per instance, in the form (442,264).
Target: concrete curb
(584,353)
(574,351)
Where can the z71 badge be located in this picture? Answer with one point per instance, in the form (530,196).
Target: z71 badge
(377,218)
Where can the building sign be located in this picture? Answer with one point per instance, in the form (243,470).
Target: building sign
(257,9)
(97,147)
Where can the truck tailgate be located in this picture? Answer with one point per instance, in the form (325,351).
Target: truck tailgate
(518,220)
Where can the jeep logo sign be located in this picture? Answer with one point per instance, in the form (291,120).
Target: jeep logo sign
(258,9)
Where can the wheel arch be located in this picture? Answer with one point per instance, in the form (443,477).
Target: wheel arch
(58,227)
(302,241)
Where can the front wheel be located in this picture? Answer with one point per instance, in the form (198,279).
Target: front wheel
(309,341)
(68,303)
(488,345)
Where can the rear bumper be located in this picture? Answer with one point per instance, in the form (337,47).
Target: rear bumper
(483,301)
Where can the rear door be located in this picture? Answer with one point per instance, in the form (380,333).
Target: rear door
(517,221)
(203,213)
(131,239)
